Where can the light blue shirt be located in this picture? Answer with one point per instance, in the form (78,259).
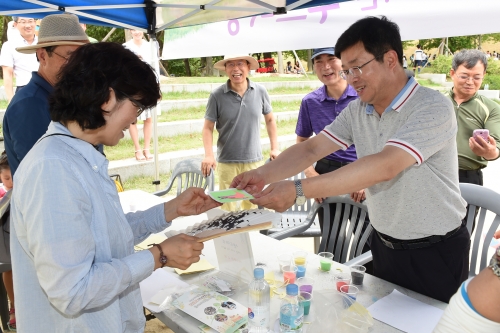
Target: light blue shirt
(73,259)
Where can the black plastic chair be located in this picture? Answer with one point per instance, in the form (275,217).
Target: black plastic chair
(346,236)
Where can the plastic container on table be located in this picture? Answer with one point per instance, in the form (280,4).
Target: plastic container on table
(291,311)
(259,303)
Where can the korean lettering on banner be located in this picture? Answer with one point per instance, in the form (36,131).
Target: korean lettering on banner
(233,26)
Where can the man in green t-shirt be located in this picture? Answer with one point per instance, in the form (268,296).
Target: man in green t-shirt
(473,111)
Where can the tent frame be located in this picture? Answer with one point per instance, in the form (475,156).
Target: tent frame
(150,10)
(79,10)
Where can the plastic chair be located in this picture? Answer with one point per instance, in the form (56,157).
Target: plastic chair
(188,174)
(345,238)
(297,216)
(488,219)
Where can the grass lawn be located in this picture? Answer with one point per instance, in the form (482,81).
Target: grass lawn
(256,78)
(427,83)
(198,112)
(206,94)
(125,148)
(3,104)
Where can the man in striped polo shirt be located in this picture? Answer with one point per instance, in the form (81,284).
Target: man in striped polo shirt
(405,142)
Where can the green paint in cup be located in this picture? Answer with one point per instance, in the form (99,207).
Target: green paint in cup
(326,265)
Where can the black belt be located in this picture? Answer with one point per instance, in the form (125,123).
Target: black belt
(333,163)
(397,244)
(467,173)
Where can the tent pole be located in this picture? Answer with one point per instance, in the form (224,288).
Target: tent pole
(155,65)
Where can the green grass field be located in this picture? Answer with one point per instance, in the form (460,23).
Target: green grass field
(206,94)
(125,148)
(256,78)
(198,112)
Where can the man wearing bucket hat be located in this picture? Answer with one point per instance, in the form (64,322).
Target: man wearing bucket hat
(235,109)
(27,116)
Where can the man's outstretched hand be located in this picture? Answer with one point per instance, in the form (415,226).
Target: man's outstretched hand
(278,196)
(251,181)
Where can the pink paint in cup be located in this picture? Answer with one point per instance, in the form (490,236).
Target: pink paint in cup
(289,273)
(342,279)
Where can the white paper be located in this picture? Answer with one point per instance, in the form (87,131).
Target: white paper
(235,256)
(405,313)
(152,288)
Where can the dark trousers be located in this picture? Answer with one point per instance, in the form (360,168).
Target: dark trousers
(322,167)
(435,271)
(471,177)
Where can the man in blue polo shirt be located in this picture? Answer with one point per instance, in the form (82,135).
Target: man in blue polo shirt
(320,108)
(27,116)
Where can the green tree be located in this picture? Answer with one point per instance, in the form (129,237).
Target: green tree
(99,32)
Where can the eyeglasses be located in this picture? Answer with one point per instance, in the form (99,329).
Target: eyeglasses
(239,64)
(467,78)
(65,58)
(135,102)
(354,71)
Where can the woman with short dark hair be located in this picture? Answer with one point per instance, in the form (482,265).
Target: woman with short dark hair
(72,246)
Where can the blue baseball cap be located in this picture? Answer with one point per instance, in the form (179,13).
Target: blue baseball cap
(325,50)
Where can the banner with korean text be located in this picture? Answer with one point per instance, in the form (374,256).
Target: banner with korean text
(321,26)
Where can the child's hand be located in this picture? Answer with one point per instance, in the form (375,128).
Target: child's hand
(497,234)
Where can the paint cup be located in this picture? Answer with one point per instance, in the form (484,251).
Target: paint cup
(357,274)
(305,300)
(299,258)
(301,271)
(289,273)
(283,260)
(305,284)
(325,261)
(342,279)
(350,290)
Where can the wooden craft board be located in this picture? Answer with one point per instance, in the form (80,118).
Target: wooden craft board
(260,226)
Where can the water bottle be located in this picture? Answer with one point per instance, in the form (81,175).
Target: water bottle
(291,311)
(259,303)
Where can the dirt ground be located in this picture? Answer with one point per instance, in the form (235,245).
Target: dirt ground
(156,326)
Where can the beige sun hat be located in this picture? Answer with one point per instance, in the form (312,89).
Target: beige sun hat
(58,29)
(220,65)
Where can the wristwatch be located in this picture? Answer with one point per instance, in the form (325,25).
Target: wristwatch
(163,258)
(300,199)
(495,263)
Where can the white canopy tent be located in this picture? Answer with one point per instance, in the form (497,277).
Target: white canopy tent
(321,26)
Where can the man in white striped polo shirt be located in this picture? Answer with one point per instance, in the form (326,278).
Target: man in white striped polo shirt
(405,141)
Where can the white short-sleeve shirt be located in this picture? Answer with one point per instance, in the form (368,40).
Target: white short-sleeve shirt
(143,51)
(22,64)
(424,199)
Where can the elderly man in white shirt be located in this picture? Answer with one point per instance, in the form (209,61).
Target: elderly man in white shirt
(15,64)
